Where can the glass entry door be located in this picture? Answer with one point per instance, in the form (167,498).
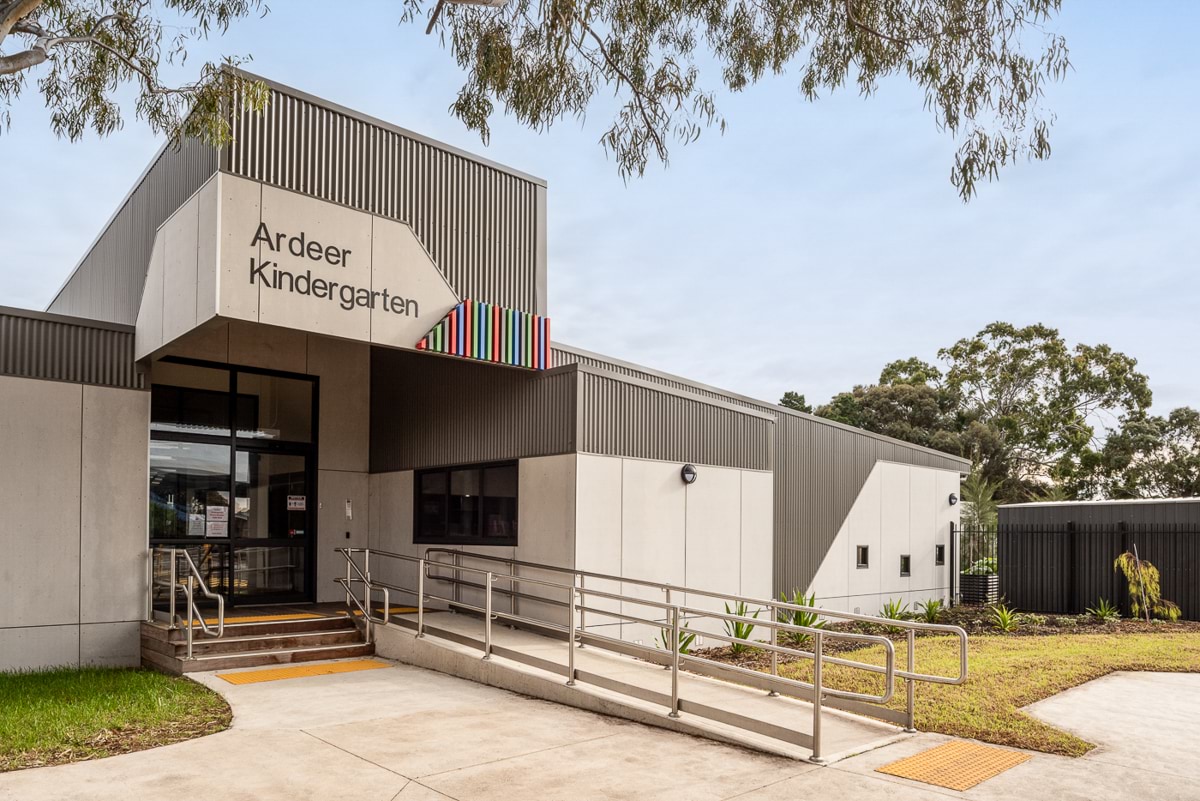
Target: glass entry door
(233,476)
(272,526)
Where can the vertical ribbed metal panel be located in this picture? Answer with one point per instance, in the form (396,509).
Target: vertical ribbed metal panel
(429,410)
(479,222)
(107,283)
(34,345)
(819,470)
(620,418)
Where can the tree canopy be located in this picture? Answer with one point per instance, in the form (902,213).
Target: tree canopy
(1038,417)
(81,52)
(982,65)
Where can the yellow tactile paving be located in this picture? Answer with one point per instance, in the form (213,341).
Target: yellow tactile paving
(956,765)
(212,621)
(301,671)
(395,610)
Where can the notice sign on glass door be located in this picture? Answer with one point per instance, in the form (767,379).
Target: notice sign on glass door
(217,523)
(297,503)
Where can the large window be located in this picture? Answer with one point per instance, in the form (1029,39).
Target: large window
(470,505)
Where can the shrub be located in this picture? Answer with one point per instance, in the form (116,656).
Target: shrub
(1145,593)
(737,629)
(686,638)
(795,617)
(930,611)
(982,567)
(1031,619)
(1104,611)
(894,609)
(1005,619)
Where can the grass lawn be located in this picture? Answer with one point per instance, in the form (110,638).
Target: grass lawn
(1009,672)
(56,716)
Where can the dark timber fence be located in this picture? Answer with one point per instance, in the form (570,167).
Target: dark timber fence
(1065,568)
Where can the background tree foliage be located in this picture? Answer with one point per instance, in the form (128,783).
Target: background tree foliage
(79,53)
(981,64)
(1040,419)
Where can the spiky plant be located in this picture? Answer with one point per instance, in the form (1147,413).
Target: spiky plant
(1005,619)
(931,610)
(737,629)
(796,617)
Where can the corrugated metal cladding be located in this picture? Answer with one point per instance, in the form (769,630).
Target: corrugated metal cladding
(107,283)
(484,225)
(34,345)
(561,356)
(428,411)
(819,466)
(1172,512)
(481,224)
(819,470)
(620,418)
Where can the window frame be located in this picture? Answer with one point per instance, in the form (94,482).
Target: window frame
(905,558)
(939,554)
(862,557)
(419,537)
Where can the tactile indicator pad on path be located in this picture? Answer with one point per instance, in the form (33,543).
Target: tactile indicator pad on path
(301,671)
(956,765)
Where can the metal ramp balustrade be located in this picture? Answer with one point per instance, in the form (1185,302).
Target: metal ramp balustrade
(580,638)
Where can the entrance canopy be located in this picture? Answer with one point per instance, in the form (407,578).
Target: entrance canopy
(240,249)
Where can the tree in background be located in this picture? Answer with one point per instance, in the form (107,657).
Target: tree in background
(83,51)
(1030,411)
(1148,457)
(915,413)
(982,65)
(1035,409)
(795,401)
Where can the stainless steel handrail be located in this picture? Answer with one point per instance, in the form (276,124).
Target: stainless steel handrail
(364,579)
(188,586)
(436,570)
(775,606)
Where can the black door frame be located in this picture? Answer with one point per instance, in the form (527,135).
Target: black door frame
(309,450)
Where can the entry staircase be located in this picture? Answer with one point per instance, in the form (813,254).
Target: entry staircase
(186,638)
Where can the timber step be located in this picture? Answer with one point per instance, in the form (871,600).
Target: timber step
(253,644)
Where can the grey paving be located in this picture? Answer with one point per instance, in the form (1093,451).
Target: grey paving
(414,735)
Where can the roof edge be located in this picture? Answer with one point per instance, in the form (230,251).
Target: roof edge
(773,407)
(51,317)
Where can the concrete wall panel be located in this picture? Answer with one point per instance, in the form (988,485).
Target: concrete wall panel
(546,511)
(334,489)
(757,534)
(345,405)
(114,500)
(181,239)
(110,644)
(39,647)
(253,345)
(712,530)
(41,430)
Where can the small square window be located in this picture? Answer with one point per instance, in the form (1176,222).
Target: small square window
(905,565)
(939,554)
(863,558)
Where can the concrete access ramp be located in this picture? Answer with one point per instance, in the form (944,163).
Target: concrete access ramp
(529,663)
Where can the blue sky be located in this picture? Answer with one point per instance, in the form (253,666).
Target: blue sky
(804,248)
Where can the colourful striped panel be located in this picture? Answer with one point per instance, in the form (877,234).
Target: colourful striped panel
(486,332)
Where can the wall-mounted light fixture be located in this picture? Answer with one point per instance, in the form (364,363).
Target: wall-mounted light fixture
(953,499)
(689,474)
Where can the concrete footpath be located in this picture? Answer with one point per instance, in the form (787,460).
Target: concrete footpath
(408,733)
